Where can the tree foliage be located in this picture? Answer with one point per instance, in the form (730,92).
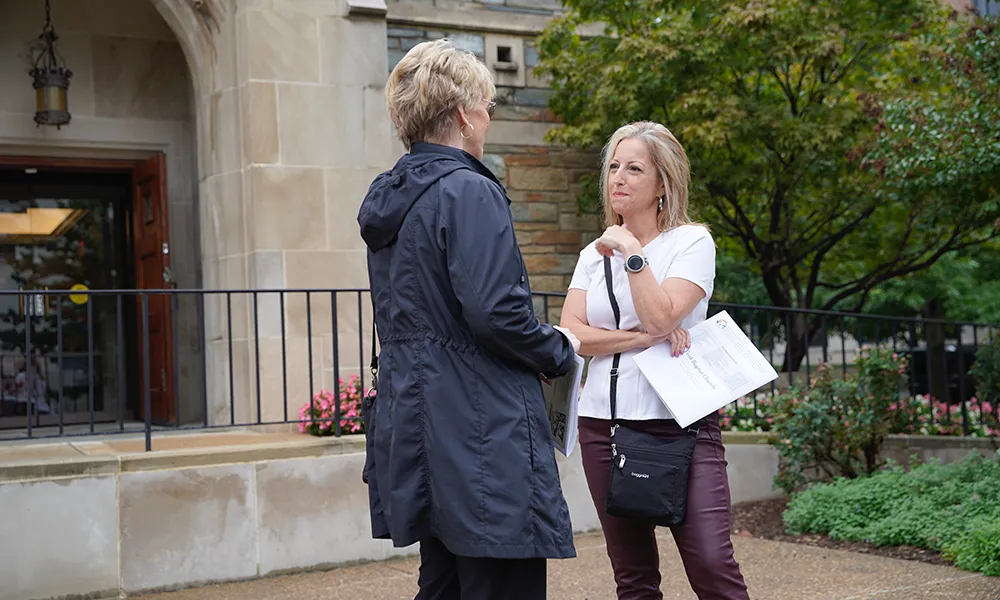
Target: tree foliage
(835,144)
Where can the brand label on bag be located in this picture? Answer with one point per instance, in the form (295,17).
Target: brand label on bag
(640,475)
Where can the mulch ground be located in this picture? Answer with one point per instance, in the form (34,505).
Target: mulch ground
(763,520)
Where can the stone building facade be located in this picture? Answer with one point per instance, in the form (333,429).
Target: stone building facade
(268,117)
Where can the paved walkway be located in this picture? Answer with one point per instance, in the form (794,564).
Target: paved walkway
(774,571)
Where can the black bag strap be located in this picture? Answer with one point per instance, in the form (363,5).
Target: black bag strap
(618,355)
(694,427)
(374,363)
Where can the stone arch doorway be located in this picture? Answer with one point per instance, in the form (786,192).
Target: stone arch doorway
(140,71)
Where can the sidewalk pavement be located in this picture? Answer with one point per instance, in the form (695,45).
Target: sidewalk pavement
(773,570)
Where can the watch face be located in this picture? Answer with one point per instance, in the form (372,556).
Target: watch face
(635,262)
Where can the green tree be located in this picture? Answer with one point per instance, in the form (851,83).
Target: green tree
(959,287)
(777,103)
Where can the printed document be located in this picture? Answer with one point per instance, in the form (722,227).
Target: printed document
(721,365)
(562,400)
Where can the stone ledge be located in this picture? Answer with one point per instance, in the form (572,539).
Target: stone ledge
(311,447)
(370,8)
(476,19)
(893,441)
(942,441)
(744,437)
(22,461)
(48,469)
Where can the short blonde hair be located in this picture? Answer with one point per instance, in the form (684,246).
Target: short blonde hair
(429,84)
(671,165)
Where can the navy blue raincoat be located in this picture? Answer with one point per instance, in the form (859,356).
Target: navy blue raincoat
(458,442)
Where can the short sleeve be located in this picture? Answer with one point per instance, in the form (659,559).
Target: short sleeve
(696,262)
(583,274)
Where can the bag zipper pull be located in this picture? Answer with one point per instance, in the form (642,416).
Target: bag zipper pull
(621,461)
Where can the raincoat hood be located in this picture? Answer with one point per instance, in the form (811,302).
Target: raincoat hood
(393,193)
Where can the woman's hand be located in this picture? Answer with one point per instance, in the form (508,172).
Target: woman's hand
(617,238)
(569,336)
(679,340)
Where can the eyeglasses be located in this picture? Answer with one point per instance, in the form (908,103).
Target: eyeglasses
(491,107)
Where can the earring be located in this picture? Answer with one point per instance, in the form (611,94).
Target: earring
(461,131)
(659,205)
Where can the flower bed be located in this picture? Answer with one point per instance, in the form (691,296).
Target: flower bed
(318,416)
(914,415)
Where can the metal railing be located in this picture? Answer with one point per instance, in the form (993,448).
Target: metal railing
(85,363)
(796,341)
(177,360)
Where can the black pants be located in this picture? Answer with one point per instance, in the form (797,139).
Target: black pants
(444,576)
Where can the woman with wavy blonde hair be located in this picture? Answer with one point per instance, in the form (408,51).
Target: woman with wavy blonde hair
(662,269)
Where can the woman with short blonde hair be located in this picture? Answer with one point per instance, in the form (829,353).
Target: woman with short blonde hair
(458,452)
(662,274)
(428,84)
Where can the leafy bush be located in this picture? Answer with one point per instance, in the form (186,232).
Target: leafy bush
(317,417)
(978,549)
(952,508)
(836,427)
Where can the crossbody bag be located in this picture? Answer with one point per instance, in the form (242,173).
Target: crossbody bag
(649,474)
(368,411)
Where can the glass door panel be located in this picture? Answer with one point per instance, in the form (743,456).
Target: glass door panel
(60,354)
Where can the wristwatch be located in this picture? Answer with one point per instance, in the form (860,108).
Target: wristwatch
(635,263)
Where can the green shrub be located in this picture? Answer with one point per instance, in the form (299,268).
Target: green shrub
(978,549)
(952,508)
(836,427)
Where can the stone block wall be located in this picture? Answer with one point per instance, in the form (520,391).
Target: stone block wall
(543,183)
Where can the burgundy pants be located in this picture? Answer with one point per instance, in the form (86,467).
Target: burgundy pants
(703,539)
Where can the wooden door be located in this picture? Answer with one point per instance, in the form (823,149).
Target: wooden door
(152,271)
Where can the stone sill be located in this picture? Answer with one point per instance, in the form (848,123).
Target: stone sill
(931,442)
(20,461)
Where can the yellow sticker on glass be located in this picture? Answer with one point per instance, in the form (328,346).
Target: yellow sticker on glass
(79,298)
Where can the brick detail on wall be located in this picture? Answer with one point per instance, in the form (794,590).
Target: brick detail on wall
(542,183)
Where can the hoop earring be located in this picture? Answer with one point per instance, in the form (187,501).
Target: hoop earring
(659,205)
(461,131)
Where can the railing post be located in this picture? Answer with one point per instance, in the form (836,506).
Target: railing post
(961,384)
(147,384)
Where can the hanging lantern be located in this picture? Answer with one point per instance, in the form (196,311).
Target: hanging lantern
(51,79)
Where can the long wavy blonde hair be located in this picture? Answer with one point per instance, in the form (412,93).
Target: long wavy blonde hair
(671,164)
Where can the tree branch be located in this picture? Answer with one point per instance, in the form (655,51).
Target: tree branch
(823,246)
(741,221)
(786,88)
(885,272)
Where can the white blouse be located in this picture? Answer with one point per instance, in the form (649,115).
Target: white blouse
(686,252)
